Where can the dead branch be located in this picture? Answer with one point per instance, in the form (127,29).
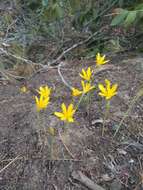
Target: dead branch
(97,71)
(79,176)
(54,62)
(9,164)
(61,76)
(2,51)
(9,27)
(67,149)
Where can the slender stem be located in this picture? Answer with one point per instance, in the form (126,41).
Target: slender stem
(79,102)
(105,116)
(89,101)
(94,72)
(67,149)
(39,127)
(51,146)
(136,97)
(44,129)
(5,167)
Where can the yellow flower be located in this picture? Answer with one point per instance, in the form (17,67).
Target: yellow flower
(51,130)
(100,60)
(41,103)
(44,91)
(76,92)
(23,89)
(108,91)
(86,74)
(86,87)
(67,113)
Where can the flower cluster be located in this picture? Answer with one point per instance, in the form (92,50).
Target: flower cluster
(86,83)
(67,113)
(86,87)
(86,74)
(23,89)
(100,60)
(107,91)
(44,98)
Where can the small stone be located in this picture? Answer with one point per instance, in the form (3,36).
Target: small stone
(106,177)
(121,151)
(116,185)
(131,161)
(97,121)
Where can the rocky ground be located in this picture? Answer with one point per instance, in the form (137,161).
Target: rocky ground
(112,163)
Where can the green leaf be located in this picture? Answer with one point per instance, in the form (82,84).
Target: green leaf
(130,19)
(58,11)
(45,3)
(75,5)
(2,67)
(139,7)
(121,3)
(119,19)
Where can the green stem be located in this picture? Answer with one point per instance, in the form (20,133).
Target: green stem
(65,146)
(44,129)
(79,102)
(137,96)
(89,102)
(39,127)
(106,115)
(51,146)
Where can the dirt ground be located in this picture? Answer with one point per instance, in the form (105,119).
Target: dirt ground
(112,163)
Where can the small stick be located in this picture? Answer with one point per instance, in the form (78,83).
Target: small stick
(8,164)
(134,100)
(61,76)
(67,149)
(79,176)
(105,116)
(38,157)
(74,46)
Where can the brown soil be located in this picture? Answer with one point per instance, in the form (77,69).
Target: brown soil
(113,163)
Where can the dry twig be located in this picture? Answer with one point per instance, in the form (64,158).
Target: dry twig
(61,76)
(54,62)
(67,149)
(9,164)
(79,176)
(18,57)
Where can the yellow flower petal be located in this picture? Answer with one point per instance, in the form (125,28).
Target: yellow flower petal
(41,103)
(71,120)
(114,87)
(102,88)
(70,109)
(36,99)
(44,91)
(58,114)
(67,113)
(89,71)
(63,106)
(51,130)
(23,89)
(101,94)
(108,84)
(76,92)
(108,91)
(100,60)
(86,87)
(86,74)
